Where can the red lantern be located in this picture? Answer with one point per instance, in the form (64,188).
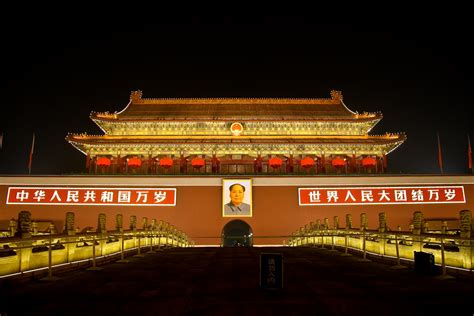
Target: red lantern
(338,162)
(166,162)
(103,162)
(197,162)
(368,162)
(307,162)
(134,162)
(275,162)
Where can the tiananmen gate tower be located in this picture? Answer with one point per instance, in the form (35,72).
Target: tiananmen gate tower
(259,167)
(236,136)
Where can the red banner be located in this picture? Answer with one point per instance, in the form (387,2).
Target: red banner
(381,195)
(92,196)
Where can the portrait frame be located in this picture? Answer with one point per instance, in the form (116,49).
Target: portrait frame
(247,205)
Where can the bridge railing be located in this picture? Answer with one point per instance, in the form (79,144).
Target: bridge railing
(449,249)
(25,253)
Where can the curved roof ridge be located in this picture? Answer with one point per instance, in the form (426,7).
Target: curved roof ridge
(136,97)
(212,100)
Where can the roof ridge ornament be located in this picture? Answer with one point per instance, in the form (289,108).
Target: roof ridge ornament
(136,96)
(336,95)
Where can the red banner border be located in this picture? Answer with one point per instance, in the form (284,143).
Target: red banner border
(386,203)
(90,188)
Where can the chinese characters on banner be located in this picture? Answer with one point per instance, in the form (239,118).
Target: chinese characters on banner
(381,195)
(92,196)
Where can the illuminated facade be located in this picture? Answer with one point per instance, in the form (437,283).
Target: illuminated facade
(236,136)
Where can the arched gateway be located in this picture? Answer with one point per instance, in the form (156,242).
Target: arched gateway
(237,233)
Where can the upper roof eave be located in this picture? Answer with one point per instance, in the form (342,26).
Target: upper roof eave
(90,139)
(110,118)
(241,109)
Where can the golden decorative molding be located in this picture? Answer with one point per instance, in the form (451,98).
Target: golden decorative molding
(391,136)
(252,149)
(222,127)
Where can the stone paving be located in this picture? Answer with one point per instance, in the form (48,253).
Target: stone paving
(225,281)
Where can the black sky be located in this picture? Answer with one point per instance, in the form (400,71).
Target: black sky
(416,68)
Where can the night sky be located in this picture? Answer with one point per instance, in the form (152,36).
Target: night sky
(416,68)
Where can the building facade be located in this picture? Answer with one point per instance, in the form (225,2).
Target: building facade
(236,136)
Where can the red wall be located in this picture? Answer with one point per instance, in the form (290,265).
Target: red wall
(198,211)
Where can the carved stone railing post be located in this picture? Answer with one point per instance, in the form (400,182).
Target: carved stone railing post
(317,229)
(426,228)
(382,222)
(119,229)
(326,228)
(145,223)
(12,227)
(466,231)
(466,223)
(346,237)
(444,227)
(69,226)
(119,223)
(34,228)
(364,222)
(70,230)
(383,230)
(335,230)
(167,233)
(417,222)
(153,227)
(348,221)
(306,233)
(417,229)
(24,232)
(336,222)
(133,228)
(101,227)
(24,224)
(160,229)
(133,223)
(312,227)
(52,228)
(318,225)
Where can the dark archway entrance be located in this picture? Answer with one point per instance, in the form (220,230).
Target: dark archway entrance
(237,233)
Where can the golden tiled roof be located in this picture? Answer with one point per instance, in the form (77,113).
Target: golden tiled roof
(235,109)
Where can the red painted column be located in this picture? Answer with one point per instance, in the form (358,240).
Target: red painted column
(118,167)
(182,165)
(94,164)
(353,163)
(215,164)
(290,164)
(323,163)
(88,163)
(257,166)
(149,165)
